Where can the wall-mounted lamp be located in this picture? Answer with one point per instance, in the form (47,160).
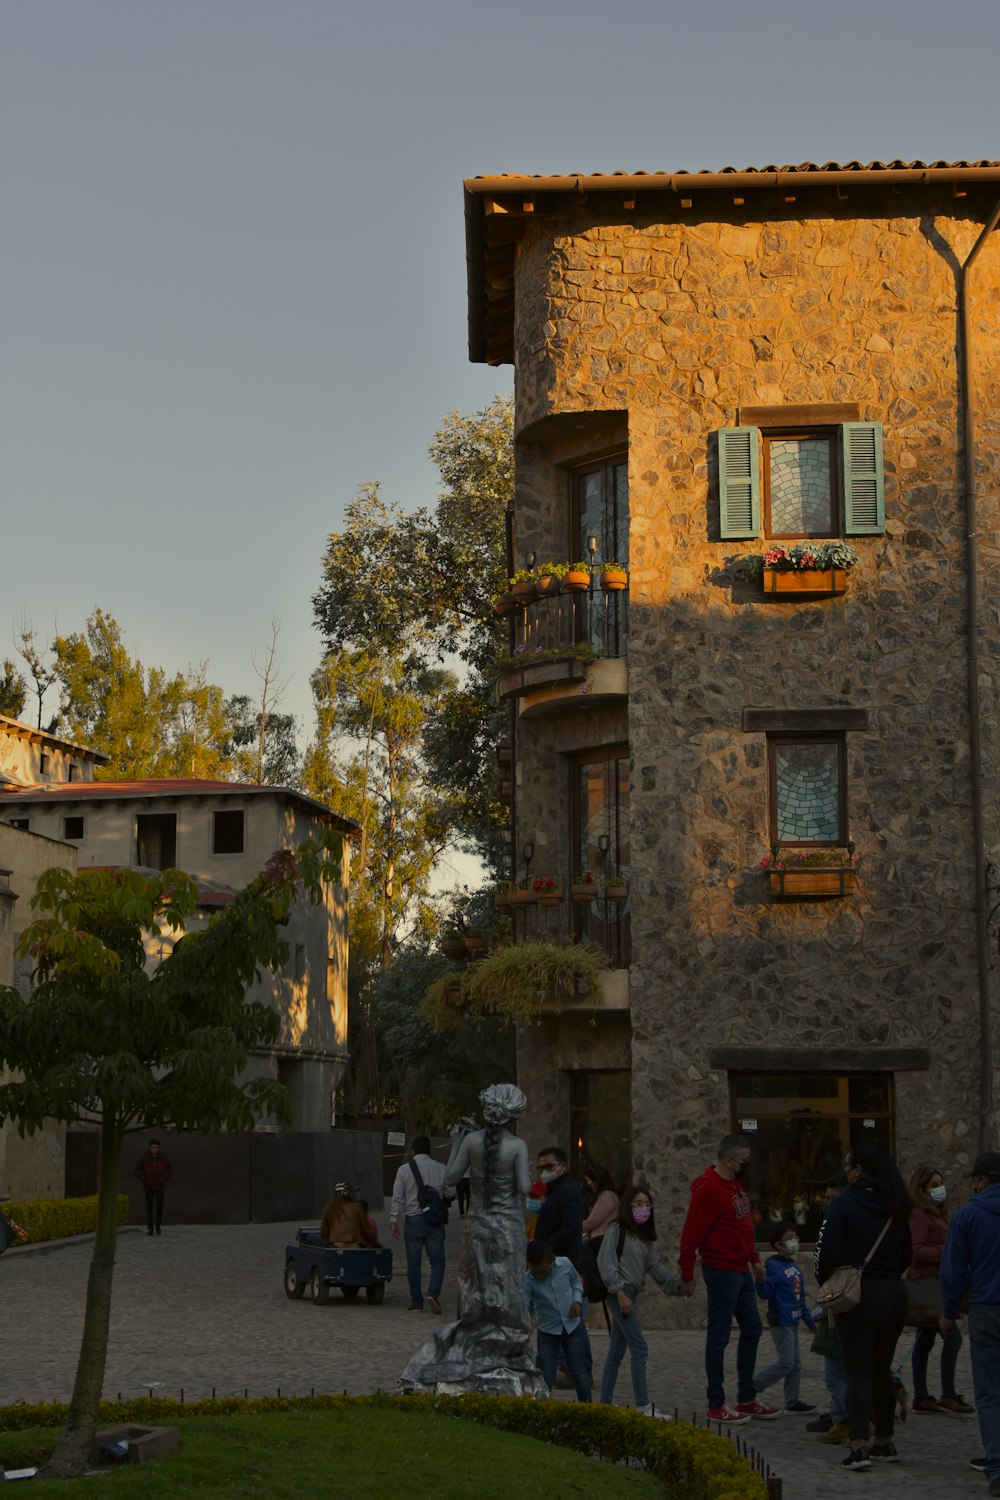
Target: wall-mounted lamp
(604,843)
(529,853)
(592,545)
(531,559)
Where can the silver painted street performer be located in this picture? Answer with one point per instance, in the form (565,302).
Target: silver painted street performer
(488,1348)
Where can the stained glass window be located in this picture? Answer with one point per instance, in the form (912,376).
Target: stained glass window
(801,486)
(807,791)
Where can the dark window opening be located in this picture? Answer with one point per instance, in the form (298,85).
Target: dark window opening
(600,510)
(601,1123)
(156,840)
(800,1128)
(22,823)
(807,784)
(73,828)
(601,834)
(43,763)
(71,773)
(227,832)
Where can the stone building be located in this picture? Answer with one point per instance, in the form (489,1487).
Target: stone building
(708,366)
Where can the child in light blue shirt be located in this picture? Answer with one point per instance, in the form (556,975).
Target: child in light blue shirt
(553,1292)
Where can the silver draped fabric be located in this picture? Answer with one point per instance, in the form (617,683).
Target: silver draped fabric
(488,1348)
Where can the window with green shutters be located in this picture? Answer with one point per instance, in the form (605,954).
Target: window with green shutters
(822,482)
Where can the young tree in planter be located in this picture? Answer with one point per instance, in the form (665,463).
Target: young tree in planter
(106,1040)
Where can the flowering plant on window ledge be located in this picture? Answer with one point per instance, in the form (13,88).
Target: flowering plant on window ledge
(811,859)
(802,557)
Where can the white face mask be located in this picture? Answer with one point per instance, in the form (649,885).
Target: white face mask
(548,1174)
(938,1194)
(791,1245)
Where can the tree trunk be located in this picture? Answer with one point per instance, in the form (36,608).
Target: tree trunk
(73,1451)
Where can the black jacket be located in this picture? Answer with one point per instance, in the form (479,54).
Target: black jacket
(560,1218)
(852,1225)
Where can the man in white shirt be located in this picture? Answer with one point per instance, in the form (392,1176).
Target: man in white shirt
(418,1234)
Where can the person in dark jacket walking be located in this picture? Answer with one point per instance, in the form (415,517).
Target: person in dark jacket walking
(970,1267)
(876,1196)
(560,1218)
(154,1171)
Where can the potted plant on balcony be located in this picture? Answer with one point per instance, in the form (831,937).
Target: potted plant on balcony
(453,944)
(584,887)
(616,887)
(547,892)
(505,604)
(523,586)
(794,873)
(577,576)
(519,895)
(613,577)
(550,577)
(518,983)
(476,942)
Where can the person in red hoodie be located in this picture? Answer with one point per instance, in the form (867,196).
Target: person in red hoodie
(719,1228)
(154,1172)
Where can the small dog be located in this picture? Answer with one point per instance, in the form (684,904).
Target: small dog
(901,1397)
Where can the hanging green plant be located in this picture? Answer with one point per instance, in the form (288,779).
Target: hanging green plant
(516,982)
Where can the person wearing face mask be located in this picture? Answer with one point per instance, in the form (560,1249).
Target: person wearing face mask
(560,1218)
(784,1291)
(970,1269)
(929,1228)
(719,1228)
(626,1257)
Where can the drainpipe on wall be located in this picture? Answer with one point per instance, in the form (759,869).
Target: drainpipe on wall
(986,1098)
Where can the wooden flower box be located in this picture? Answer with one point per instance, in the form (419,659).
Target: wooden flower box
(814,881)
(810,581)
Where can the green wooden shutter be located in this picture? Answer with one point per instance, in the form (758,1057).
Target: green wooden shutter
(739,483)
(864,482)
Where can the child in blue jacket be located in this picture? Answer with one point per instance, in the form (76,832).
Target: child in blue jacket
(784,1292)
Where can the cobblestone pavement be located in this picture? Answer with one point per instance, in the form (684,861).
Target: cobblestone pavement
(203,1308)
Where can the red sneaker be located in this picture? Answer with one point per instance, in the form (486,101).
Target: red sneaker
(759,1410)
(726,1413)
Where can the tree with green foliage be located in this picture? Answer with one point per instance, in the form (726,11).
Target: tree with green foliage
(114,1039)
(13,690)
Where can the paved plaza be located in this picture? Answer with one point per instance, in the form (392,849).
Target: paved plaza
(204,1308)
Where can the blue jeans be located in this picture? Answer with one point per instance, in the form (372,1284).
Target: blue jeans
(731,1294)
(418,1236)
(574,1348)
(949,1358)
(984,1346)
(836,1383)
(787,1363)
(626,1333)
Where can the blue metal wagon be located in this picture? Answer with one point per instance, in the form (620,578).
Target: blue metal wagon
(311,1262)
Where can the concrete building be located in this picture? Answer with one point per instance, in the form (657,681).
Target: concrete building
(708,366)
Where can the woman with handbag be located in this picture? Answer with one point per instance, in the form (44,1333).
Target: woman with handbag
(929,1228)
(868,1226)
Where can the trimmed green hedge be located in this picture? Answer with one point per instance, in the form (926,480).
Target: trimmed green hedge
(693,1463)
(58,1218)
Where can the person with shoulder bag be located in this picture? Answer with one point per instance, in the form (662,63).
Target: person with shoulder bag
(867,1230)
(929,1228)
(627,1256)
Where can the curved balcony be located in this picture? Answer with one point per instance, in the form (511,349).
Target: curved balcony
(551,669)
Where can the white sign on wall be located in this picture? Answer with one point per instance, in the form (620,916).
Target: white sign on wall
(396,1138)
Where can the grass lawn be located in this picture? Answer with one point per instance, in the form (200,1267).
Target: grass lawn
(352,1455)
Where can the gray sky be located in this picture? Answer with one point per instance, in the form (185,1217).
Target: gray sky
(232,258)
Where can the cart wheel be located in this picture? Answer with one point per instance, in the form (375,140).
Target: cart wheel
(294,1287)
(350,1292)
(376,1293)
(318,1288)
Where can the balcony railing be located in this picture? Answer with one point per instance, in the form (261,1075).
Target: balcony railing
(605,922)
(563,619)
(566,650)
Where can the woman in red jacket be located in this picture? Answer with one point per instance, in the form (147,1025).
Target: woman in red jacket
(929,1228)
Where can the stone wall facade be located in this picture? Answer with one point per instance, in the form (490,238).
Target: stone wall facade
(635,334)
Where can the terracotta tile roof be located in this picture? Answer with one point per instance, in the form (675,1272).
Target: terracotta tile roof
(498,208)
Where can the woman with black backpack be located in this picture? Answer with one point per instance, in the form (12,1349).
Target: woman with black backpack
(627,1256)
